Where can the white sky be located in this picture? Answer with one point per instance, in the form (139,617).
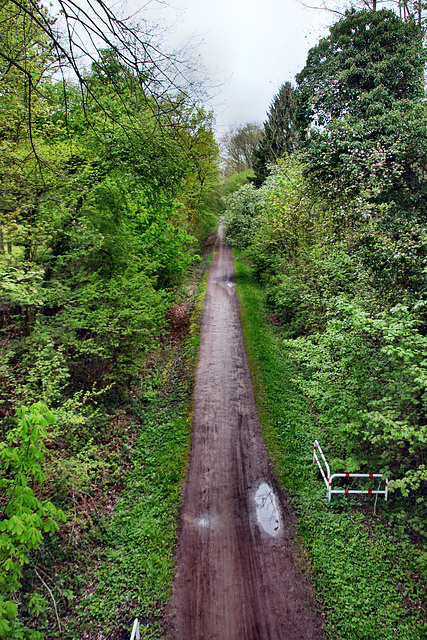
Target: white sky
(249,46)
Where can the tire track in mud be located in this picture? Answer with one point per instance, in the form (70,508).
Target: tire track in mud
(234,580)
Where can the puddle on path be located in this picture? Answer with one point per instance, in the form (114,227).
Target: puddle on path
(203,522)
(223,283)
(266,509)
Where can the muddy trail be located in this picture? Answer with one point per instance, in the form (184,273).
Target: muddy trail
(237,578)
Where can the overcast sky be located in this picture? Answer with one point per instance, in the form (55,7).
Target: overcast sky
(250,46)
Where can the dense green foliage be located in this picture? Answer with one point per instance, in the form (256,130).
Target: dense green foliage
(107,195)
(24,516)
(362,360)
(369,574)
(336,236)
(341,249)
(359,85)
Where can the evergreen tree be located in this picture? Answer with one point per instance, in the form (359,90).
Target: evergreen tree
(279,137)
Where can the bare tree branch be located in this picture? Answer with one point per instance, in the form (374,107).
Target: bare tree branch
(78,36)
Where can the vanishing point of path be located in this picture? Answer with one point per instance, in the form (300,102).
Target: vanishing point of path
(236,577)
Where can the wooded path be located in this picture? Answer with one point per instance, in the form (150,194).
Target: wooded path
(236,574)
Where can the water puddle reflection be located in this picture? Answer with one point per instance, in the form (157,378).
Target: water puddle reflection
(203,522)
(266,509)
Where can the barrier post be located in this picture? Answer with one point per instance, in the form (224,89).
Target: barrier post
(135,631)
(326,477)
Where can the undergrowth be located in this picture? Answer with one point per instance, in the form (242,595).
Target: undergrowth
(136,575)
(368,567)
(130,555)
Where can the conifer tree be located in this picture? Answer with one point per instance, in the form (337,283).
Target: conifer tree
(279,137)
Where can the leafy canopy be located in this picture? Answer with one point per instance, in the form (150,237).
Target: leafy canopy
(369,61)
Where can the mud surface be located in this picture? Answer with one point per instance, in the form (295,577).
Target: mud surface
(236,574)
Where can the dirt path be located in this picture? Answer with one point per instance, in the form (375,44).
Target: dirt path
(236,578)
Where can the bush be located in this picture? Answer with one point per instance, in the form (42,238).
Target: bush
(24,517)
(243,215)
(367,376)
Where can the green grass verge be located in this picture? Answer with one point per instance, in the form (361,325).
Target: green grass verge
(137,544)
(368,573)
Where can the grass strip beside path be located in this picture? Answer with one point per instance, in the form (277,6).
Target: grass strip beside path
(136,571)
(368,573)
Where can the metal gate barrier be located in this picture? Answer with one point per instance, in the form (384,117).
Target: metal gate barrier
(328,478)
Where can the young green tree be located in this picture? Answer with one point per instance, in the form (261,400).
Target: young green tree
(24,516)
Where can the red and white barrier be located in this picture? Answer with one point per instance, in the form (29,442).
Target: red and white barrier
(328,478)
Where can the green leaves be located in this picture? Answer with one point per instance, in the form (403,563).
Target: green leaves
(8,612)
(367,376)
(360,83)
(24,516)
(368,57)
(366,568)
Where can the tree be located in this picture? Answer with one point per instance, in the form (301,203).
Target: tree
(239,144)
(358,86)
(369,60)
(98,209)
(279,137)
(77,36)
